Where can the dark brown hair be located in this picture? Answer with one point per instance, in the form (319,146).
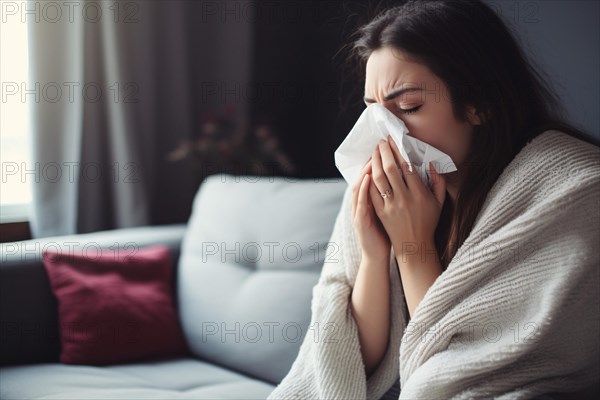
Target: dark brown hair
(467,45)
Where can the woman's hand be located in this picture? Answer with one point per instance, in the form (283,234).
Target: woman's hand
(410,216)
(374,241)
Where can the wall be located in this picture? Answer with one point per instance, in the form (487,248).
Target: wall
(564,38)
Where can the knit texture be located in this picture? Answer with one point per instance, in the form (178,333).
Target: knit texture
(514,315)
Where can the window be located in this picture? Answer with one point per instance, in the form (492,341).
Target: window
(15,190)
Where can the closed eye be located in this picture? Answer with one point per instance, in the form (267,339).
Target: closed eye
(409,111)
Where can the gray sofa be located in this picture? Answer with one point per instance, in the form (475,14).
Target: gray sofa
(245,263)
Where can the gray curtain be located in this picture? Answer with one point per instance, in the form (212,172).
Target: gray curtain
(118,89)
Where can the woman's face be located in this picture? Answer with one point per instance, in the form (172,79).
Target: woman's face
(429,117)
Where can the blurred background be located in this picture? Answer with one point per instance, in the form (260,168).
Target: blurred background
(114,111)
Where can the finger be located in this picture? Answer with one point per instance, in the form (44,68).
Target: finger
(367,167)
(362,195)
(379,177)
(365,170)
(355,191)
(376,198)
(391,169)
(411,178)
(396,151)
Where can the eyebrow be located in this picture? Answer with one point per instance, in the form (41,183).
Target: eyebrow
(394,94)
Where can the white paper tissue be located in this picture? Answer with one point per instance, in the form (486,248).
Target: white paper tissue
(374,124)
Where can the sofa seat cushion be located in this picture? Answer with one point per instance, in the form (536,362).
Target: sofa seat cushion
(183,378)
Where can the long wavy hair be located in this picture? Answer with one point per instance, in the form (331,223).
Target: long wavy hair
(468,46)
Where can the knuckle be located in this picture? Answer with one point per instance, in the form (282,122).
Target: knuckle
(390,168)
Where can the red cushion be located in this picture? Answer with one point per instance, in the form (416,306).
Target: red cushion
(115,306)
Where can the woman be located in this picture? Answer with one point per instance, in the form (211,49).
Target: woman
(454,74)
(470,93)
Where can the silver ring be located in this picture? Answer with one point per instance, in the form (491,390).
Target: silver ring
(388,193)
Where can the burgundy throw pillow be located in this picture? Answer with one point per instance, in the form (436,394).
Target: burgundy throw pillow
(115,306)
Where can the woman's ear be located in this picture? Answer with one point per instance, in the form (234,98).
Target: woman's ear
(475,117)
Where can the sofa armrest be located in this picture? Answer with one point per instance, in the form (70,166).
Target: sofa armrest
(29,330)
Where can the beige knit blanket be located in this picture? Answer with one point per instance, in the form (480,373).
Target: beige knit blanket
(515,314)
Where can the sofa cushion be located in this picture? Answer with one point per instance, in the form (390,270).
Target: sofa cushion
(253,251)
(166,379)
(115,306)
